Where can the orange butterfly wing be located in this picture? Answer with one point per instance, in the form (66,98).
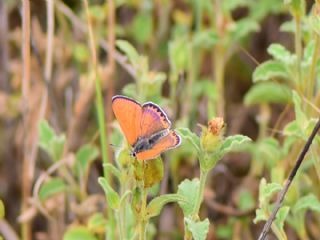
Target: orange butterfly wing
(153,120)
(169,141)
(129,114)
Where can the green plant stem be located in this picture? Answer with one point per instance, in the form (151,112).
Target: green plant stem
(219,65)
(119,225)
(199,199)
(100,108)
(142,221)
(278,232)
(311,80)
(298,49)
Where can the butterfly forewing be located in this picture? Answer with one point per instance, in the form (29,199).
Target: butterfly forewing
(153,119)
(129,115)
(169,141)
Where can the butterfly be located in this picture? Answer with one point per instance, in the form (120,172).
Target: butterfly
(145,126)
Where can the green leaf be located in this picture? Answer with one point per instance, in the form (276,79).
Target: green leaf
(46,134)
(268,92)
(269,150)
(230,5)
(79,233)
(155,206)
(189,191)
(112,169)
(292,128)
(142,26)
(97,222)
(84,156)
(81,52)
(97,12)
(297,6)
(314,22)
(50,142)
(111,195)
(243,28)
(205,39)
(308,53)
(307,202)
(186,134)
(260,9)
(57,146)
(52,187)
(198,229)
(300,115)
(280,53)
(246,200)
(129,50)
(267,190)
(124,197)
(260,216)
(179,51)
(2,210)
(130,90)
(233,143)
(281,216)
(270,70)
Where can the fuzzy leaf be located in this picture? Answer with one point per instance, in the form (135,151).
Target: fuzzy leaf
(155,206)
(233,143)
(270,70)
(142,26)
(79,233)
(300,115)
(189,191)
(279,52)
(268,92)
(281,216)
(260,216)
(307,202)
(205,39)
(199,229)
(97,223)
(111,195)
(268,150)
(243,28)
(50,142)
(267,190)
(46,134)
(190,136)
(84,156)
(112,169)
(129,50)
(52,187)
(178,55)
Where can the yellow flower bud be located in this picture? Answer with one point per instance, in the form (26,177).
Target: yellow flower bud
(212,136)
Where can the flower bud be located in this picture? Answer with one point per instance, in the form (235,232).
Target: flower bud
(212,136)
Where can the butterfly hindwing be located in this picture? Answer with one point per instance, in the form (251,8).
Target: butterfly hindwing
(153,120)
(169,141)
(129,115)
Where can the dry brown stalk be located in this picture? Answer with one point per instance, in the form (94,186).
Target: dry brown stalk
(26,178)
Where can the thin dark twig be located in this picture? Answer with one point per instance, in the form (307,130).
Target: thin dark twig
(285,189)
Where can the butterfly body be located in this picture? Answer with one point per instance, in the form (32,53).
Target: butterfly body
(146,143)
(146,127)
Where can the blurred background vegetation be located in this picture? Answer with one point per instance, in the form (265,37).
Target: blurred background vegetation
(252,62)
